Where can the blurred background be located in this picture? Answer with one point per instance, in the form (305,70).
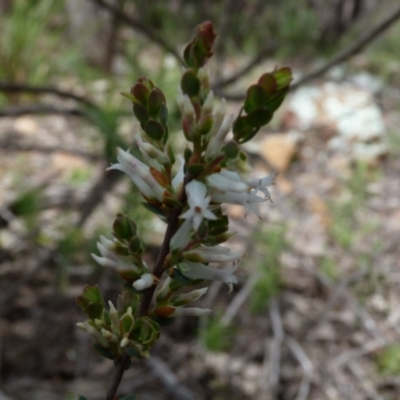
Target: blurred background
(315,314)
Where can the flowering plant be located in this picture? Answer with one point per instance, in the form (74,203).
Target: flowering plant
(187,192)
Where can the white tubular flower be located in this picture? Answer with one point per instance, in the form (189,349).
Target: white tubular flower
(145,281)
(218,117)
(178,178)
(117,264)
(194,270)
(209,103)
(262,184)
(139,173)
(154,157)
(218,254)
(227,182)
(198,204)
(107,243)
(248,200)
(186,298)
(190,312)
(215,145)
(94,333)
(110,259)
(182,236)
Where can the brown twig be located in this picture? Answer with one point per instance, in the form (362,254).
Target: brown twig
(10,87)
(353,48)
(17,111)
(136,24)
(173,225)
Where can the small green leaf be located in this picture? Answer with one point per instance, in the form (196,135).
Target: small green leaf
(147,82)
(195,169)
(83,303)
(141,93)
(155,100)
(105,316)
(276,100)
(171,153)
(81,397)
(187,154)
(172,201)
(190,84)
(127,322)
(95,310)
(129,96)
(154,210)
(124,228)
(259,117)
(283,77)
(232,150)
(199,50)
(103,351)
(268,83)
(154,129)
(202,232)
(180,278)
(256,97)
(241,128)
(92,293)
(141,113)
(163,114)
(206,125)
(146,331)
(135,245)
(132,352)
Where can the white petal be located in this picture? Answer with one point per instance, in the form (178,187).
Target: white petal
(200,271)
(196,190)
(145,281)
(178,178)
(182,236)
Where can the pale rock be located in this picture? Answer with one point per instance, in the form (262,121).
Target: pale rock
(26,125)
(278,150)
(349,110)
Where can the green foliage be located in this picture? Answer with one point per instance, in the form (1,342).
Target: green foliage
(328,268)
(216,336)
(79,176)
(26,42)
(27,203)
(271,244)
(388,361)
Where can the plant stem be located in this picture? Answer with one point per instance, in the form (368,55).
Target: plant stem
(172,227)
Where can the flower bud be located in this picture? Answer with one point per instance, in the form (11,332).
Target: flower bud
(145,281)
